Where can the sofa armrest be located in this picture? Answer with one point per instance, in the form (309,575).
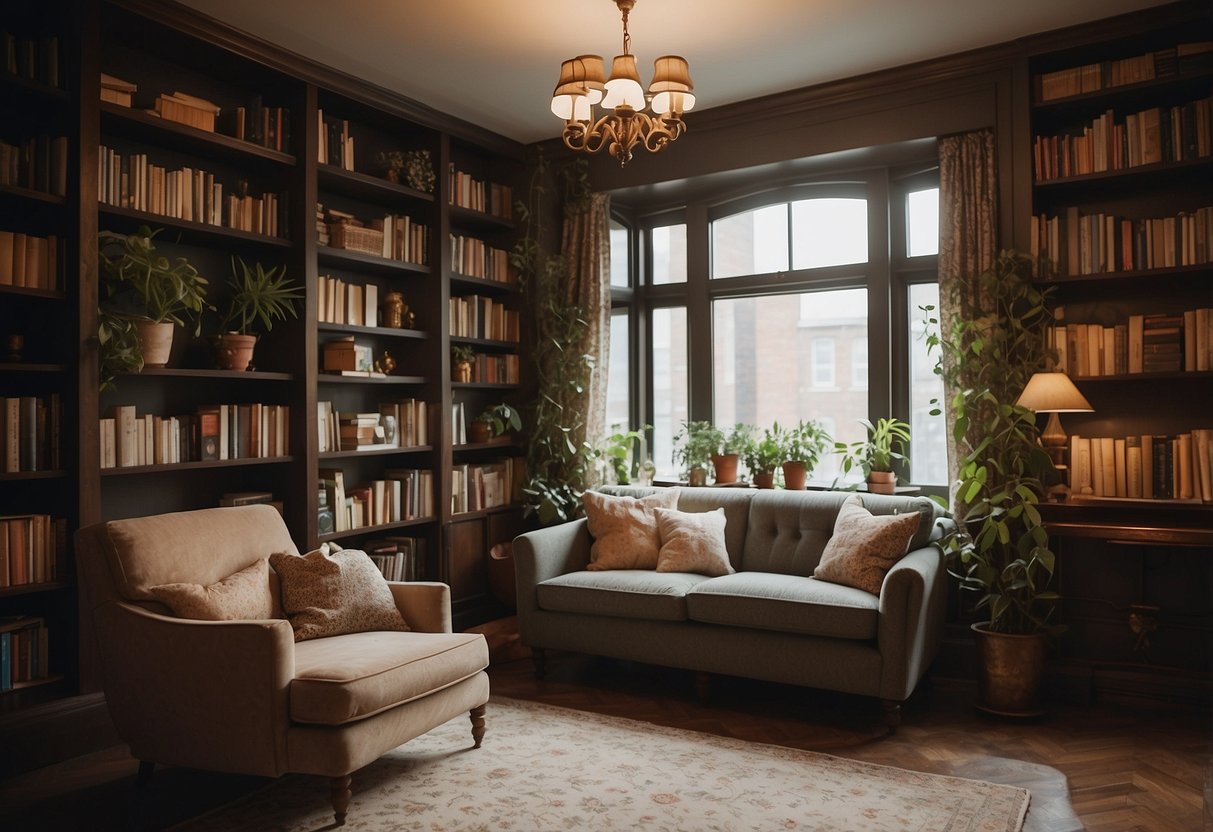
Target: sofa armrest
(204,694)
(546,553)
(425,605)
(912,605)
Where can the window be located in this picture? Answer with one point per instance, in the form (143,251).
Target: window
(922,222)
(620,261)
(668,247)
(808,234)
(619,377)
(669,386)
(829,232)
(823,362)
(859,363)
(928,434)
(752,242)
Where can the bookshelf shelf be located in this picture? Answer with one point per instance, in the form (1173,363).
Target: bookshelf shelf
(32,589)
(1145,91)
(141,126)
(224,375)
(27,87)
(478,220)
(329,378)
(1128,177)
(1181,376)
(382,331)
(486,343)
(486,512)
(494,445)
(46,294)
(179,467)
(34,683)
(33,475)
(17,192)
(482,385)
(128,220)
(19,367)
(358,261)
(483,285)
(382,527)
(1201,272)
(395,450)
(361,186)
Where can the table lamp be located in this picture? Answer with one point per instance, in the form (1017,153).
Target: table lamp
(1053,393)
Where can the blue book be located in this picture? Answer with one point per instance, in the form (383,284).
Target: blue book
(6,661)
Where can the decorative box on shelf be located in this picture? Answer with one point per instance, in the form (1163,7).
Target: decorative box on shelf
(344,234)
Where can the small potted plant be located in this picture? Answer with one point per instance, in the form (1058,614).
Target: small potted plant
(462,357)
(729,453)
(494,422)
(802,446)
(155,293)
(694,445)
(886,441)
(763,457)
(391,163)
(615,452)
(257,295)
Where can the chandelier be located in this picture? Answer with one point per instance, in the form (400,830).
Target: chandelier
(602,112)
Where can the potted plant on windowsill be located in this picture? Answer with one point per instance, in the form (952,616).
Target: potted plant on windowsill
(876,455)
(730,451)
(802,446)
(999,547)
(694,445)
(763,457)
(257,295)
(494,422)
(153,292)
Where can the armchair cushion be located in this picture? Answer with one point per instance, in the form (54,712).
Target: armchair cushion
(244,595)
(333,594)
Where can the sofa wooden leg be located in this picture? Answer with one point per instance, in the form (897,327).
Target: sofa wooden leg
(892,713)
(540,657)
(339,791)
(477,716)
(144,777)
(703,685)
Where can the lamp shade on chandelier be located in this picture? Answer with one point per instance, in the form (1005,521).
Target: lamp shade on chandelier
(602,112)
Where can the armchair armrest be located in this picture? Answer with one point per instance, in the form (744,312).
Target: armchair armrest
(910,628)
(204,694)
(425,605)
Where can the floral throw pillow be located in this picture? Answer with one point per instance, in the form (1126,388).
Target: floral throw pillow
(864,546)
(240,596)
(692,542)
(327,594)
(625,529)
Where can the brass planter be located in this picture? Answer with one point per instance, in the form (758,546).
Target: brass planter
(1009,671)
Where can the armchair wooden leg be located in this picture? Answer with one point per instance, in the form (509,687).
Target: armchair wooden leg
(539,656)
(339,791)
(144,777)
(477,717)
(892,713)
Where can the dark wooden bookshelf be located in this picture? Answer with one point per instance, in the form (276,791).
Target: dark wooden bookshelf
(32,589)
(393,450)
(1148,378)
(468,218)
(145,127)
(18,192)
(1200,273)
(176,467)
(483,385)
(27,87)
(377,529)
(224,375)
(486,343)
(33,475)
(482,285)
(486,512)
(47,294)
(30,367)
(128,220)
(383,331)
(330,378)
(360,261)
(363,186)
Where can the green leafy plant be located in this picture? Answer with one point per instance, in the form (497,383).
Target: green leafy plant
(121,351)
(695,444)
(461,354)
(501,418)
(617,449)
(804,443)
(258,295)
(138,282)
(999,548)
(766,454)
(738,439)
(886,441)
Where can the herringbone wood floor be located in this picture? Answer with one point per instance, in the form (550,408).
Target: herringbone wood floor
(1129,766)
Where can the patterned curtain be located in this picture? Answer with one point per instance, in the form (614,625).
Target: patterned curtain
(968,243)
(586,244)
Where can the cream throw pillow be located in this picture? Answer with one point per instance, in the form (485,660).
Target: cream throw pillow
(692,542)
(243,595)
(624,529)
(865,546)
(332,594)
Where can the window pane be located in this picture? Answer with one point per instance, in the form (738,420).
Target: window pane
(619,255)
(669,247)
(922,222)
(618,404)
(669,385)
(829,232)
(859,363)
(928,434)
(770,350)
(752,242)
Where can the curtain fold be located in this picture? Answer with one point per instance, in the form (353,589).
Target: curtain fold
(968,243)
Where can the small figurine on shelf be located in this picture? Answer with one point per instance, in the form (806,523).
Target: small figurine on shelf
(385,364)
(396,313)
(461,363)
(15,346)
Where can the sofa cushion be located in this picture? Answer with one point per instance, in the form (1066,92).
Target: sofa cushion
(332,594)
(346,678)
(624,529)
(624,593)
(864,547)
(788,603)
(734,501)
(243,595)
(692,542)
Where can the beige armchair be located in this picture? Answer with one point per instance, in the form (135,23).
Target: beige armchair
(243,696)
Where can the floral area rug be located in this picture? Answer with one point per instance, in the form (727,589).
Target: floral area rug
(548,769)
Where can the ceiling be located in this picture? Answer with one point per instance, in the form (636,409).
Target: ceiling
(495,63)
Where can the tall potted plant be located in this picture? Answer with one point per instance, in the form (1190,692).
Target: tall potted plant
(876,455)
(694,445)
(999,549)
(728,454)
(257,296)
(155,293)
(802,446)
(764,456)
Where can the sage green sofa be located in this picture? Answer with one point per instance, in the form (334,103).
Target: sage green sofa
(770,620)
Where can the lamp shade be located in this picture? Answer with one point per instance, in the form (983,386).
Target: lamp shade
(1053,393)
(671,87)
(623,87)
(580,85)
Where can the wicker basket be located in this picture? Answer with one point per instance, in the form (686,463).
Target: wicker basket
(355,238)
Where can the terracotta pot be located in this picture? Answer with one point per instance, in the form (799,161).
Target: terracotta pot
(479,431)
(882,482)
(794,476)
(765,480)
(726,467)
(461,371)
(697,476)
(1009,671)
(234,351)
(155,342)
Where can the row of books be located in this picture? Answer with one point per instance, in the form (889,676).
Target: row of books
(495,369)
(1143,467)
(398,558)
(31,549)
(402,494)
(268,127)
(473,257)
(32,58)
(1076,243)
(118,91)
(187,109)
(485,486)
(29,261)
(38,163)
(31,433)
(24,651)
(1148,137)
(393,236)
(336,145)
(475,316)
(397,424)
(215,432)
(339,302)
(1184,58)
(131,181)
(466,191)
(1157,343)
